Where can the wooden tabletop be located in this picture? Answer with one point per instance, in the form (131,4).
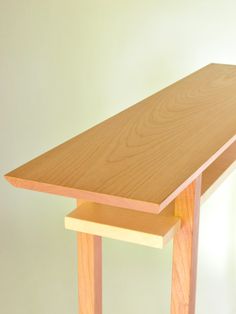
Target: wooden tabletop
(144,156)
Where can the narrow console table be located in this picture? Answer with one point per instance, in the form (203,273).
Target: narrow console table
(140,176)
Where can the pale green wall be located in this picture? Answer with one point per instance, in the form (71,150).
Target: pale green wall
(65,66)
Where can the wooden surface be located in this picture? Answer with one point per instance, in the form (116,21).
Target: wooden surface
(145,156)
(218,171)
(90,273)
(187,207)
(123,224)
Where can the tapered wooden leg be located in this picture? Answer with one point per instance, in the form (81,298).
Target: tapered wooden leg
(187,206)
(90,273)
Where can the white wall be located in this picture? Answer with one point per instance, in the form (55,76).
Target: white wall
(65,66)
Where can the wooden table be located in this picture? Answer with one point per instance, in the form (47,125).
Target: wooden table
(140,175)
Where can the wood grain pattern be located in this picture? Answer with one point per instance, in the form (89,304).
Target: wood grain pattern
(187,207)
(123,224)
(90,273)
(146,155)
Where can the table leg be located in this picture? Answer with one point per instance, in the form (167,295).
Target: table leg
(187,206)
(90,273)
